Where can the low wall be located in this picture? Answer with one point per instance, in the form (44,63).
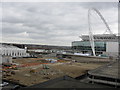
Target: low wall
(79,58)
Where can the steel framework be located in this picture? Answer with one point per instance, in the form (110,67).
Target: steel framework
(91,38)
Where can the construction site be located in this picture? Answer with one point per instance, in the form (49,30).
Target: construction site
(30,71)
(90,62)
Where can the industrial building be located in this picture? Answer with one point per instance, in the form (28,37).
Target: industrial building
(106,44)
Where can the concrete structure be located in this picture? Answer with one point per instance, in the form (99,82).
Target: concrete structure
(107,44)
(112,49)
(65,82)
(107,74)
(85,59)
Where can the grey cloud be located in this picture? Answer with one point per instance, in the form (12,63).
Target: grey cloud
(100,5)
(51,23)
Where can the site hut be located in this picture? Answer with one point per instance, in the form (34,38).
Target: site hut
(105,44)
(5,59)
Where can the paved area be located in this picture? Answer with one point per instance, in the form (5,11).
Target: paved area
(110,70)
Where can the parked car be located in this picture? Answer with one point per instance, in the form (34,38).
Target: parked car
(4,84)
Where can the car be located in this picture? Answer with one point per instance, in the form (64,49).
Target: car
(4,84)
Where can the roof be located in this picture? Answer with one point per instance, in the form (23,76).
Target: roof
(66,82)
(110,70)
(101,37)
(3,46)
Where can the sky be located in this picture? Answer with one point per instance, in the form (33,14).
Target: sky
(54,23)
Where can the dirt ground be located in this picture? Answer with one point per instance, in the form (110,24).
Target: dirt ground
(24,76)
(75,69)
(27,60)
(36,74)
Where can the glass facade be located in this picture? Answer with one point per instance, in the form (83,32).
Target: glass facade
(86,47)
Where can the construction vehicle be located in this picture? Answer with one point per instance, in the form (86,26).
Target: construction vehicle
(4,84)
(45,66)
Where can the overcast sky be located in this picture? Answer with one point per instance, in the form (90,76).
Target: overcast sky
(54,23)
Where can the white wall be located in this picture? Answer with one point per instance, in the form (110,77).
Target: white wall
(112,48)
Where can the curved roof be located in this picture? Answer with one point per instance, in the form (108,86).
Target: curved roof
(3,46)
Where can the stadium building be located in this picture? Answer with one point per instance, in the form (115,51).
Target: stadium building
(105,44)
